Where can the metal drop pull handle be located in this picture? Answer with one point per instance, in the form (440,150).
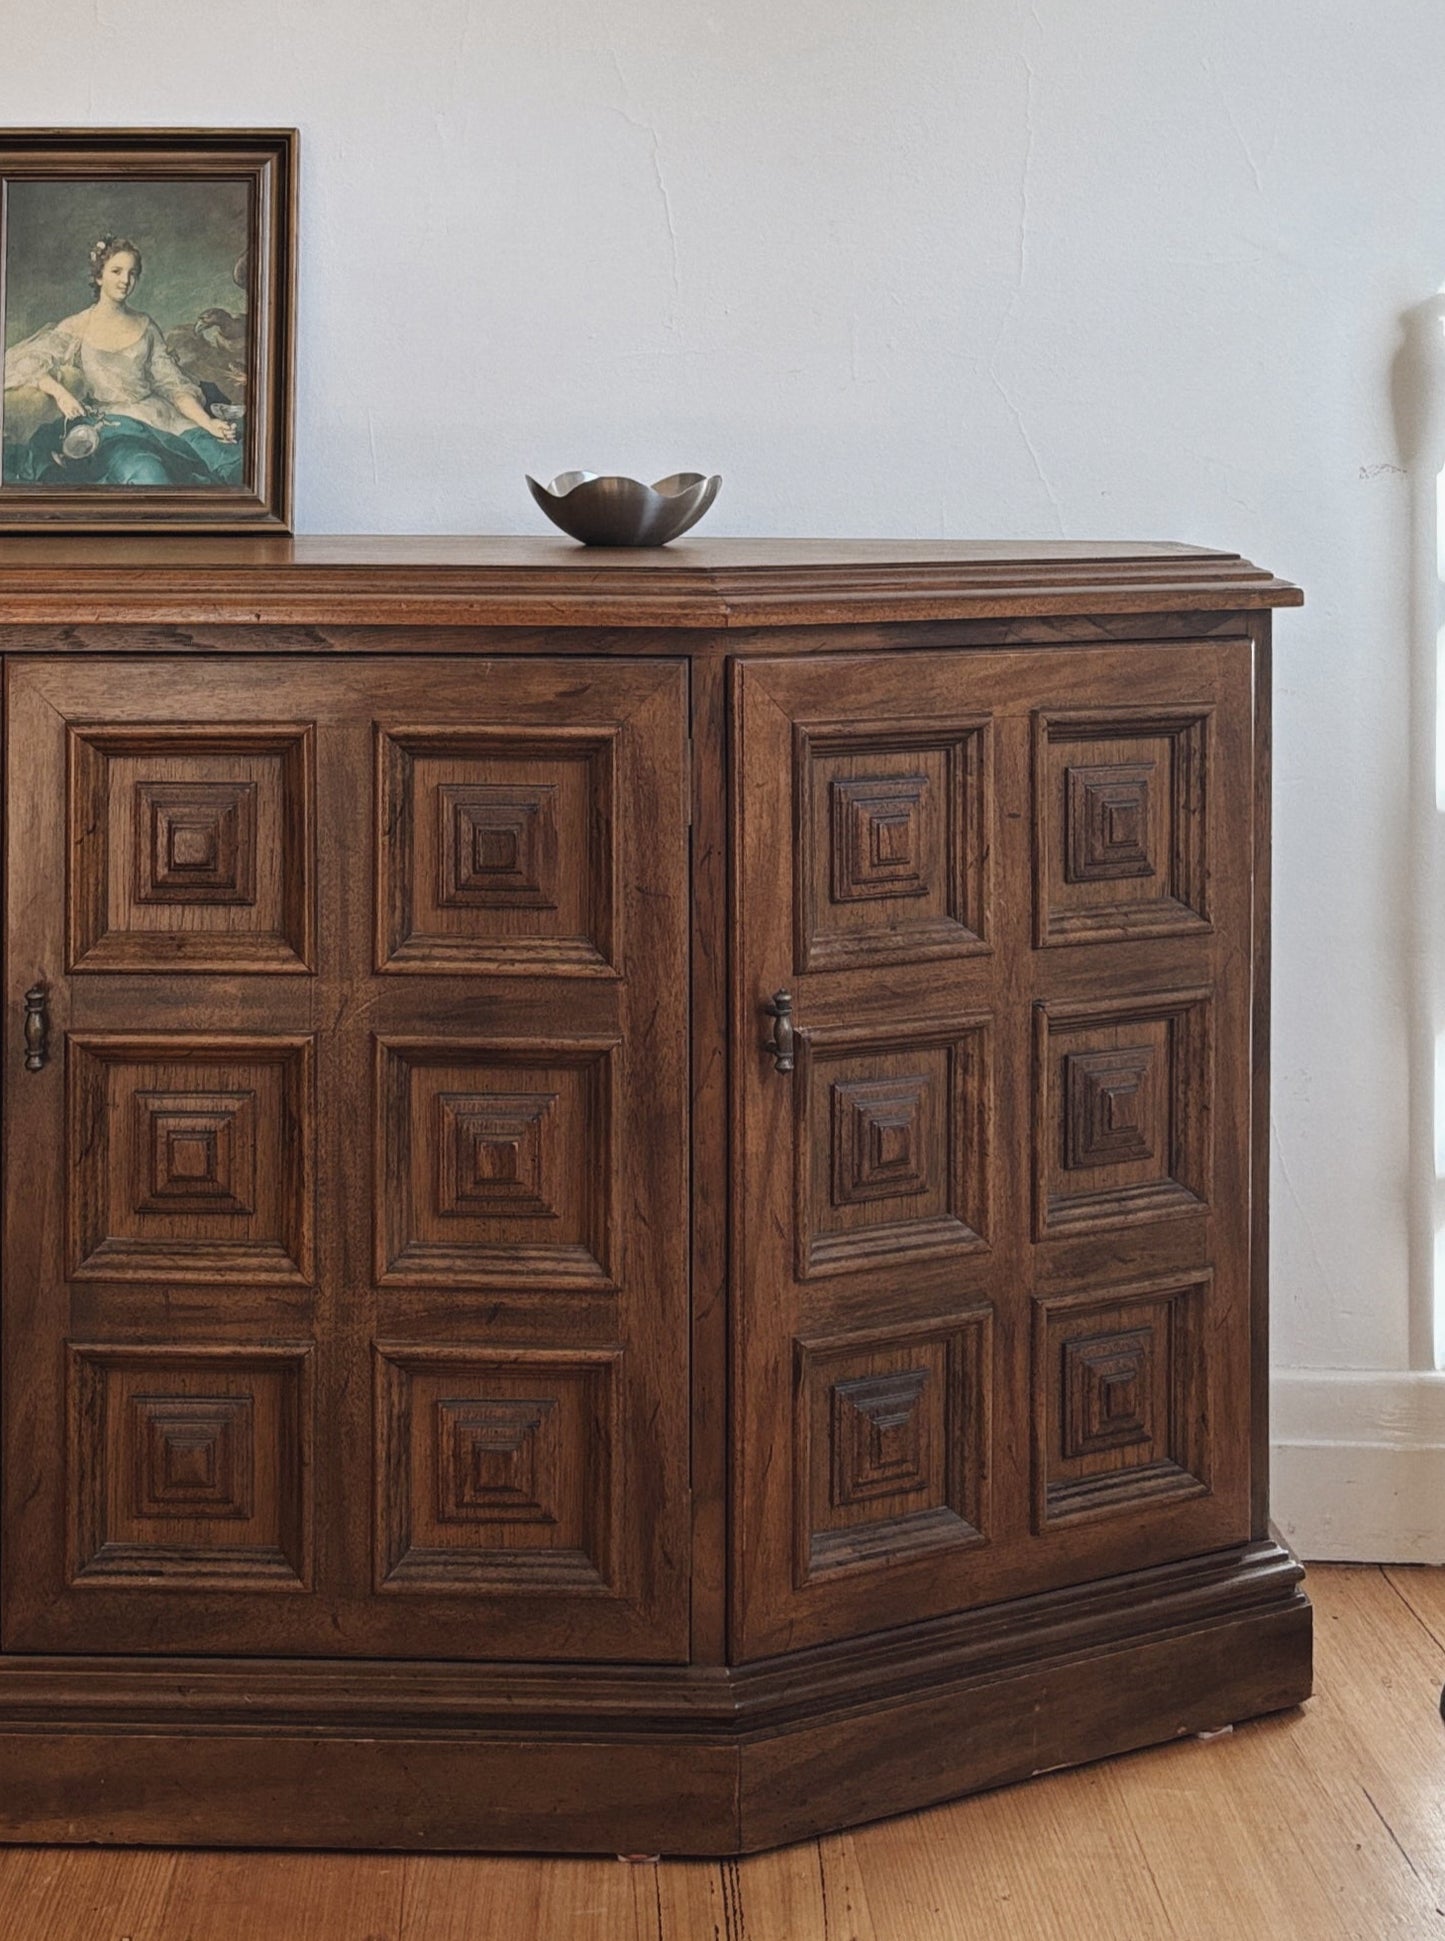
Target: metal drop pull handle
(37,1027)
(780,1010)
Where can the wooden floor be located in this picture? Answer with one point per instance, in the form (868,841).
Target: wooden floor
(1318,1824)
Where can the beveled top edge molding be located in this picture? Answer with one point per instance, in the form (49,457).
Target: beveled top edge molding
(712,584)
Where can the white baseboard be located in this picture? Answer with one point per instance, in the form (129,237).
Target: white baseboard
(1357,1468)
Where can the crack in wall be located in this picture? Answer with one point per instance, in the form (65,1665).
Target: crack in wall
(647,127)
(1025,213)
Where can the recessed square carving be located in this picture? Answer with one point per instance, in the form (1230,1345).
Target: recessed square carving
(494,1460)
(892,1141)
(496,1469)
(498,847)
(494,1149)
(189,1468)
(877,1434)
(1107,822)
(1122,1115)
(189,1158)
(892,1434)
(1121,1409)
(892,862)
(1121,825)
(1107,1392)
(196,1152)
(495,1164)
(1111,1114)
(882,1129)
(193,1456)
(191,848)
(496,851)
(877,837)
(196,842)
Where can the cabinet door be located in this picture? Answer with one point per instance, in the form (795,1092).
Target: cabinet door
(345,1271)
(992,1283)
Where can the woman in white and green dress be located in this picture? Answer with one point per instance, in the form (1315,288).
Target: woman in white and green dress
(150,422)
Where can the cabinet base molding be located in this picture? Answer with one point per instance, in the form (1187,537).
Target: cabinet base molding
(674,1760)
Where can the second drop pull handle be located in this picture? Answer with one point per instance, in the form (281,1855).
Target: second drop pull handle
(780,1010)
(37,1027)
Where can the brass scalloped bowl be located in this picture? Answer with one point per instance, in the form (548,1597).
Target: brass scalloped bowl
(611,511)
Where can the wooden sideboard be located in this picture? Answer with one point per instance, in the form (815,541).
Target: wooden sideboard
(635,1184)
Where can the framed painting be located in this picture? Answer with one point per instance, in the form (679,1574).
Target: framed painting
(147,296)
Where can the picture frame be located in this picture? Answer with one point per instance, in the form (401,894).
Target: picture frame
(162,400)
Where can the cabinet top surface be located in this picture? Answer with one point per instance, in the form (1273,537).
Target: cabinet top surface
(694,583)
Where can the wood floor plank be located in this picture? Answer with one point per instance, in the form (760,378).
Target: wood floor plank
(1021,1864)
(1422,1587)
(84,1893)
(778,1895)
(1380,1670)
(474,1898)
(1272,1830)
(692,1901)
(848,1915)
(1245,1840)
(265,1896)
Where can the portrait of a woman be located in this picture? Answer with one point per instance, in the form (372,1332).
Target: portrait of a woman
(129,415)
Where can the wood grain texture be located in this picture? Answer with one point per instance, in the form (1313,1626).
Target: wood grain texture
(258,1896)
(1322,1824)
(962,1001)
(711,1133)
(447,1899)
(654,1760)
(696,583)
(112,1894)
(466,1252)
(390,930)
(1259,1059)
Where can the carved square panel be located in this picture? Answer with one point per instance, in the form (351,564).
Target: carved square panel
(495,1469)
(892,1432)
(496,851)
(877,1432)
(495,1460)
(189,1468)
(495,1152)
(498,846)
(1122,1092)
(196,842)
(892,860)
(892,1144)
(1108,1398)
(191,848)
(877,836)
(1121,820)
(1107,821)
(195,1152)
(193,1455)
(1112,1111)
(882,1131)
(496,1164)
(1121,1414)
(189,1158)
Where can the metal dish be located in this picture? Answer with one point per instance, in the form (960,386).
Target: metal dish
(625,512)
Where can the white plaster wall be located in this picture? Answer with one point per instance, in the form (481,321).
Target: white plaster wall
(1106,270)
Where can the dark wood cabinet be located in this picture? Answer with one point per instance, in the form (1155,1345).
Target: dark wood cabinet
(634,1215)
(363,1275)
(986,1297)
